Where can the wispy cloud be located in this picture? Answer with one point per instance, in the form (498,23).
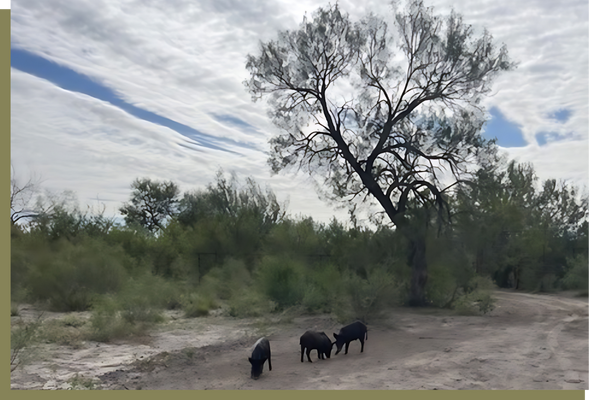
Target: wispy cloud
(70,80)
(176,65)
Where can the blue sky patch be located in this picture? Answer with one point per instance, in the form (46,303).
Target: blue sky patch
(546,137)
(228,119)
(562,115)
(68,79)
(508,133)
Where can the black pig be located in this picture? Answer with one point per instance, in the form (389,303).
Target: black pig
(356,330)
(315,340)
(261,352)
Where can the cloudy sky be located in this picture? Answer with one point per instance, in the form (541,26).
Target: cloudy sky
(105,91)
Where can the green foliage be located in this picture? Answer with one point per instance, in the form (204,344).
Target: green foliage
(23,338)
(82,383)
(107,322)
(151,203)
(518,234)
(577,276)
(67,331)
(476,298)
(324,286)
(198,305)
(441,286)
(300,239)
(224,281)
(171,253)
(250,303)
(281,279)
(68,275)
(366,299)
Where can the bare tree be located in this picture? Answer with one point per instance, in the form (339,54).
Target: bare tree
(21,197)
(388,113)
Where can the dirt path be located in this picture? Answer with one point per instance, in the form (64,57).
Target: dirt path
(527,342)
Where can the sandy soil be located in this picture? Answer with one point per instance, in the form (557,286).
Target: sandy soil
(528,342)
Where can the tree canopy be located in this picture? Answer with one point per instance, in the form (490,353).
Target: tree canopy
(151,203)
(379,110)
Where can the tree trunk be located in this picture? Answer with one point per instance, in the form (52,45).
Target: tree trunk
(418,264)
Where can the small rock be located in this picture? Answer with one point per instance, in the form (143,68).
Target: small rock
(574,380)
(447,349)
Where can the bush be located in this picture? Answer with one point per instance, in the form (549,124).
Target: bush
(223,281)
(577,276)
(547,283)
(442,287)
(281,280)
(323,285)
(133,310)
(249,303)
(366,299)
(315,299)
(65,332)
(22,341)
(82,383)
(108,324)
(476,298)
(198,305)
(70,276)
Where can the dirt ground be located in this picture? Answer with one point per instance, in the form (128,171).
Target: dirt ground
(528,342)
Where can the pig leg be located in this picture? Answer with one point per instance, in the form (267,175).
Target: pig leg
(308,355)
(362,344)
(302,354)
(347,345)
(269,362)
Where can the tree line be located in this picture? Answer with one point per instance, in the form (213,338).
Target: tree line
(235,243)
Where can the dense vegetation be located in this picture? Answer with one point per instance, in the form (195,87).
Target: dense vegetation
(233,246)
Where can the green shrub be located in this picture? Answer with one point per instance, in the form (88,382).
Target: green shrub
(105,321)
(315,299)
(548,283)
(366,299)
(23,338)
(108,324)
(476,298)
(281,280)
(132,311)
(323,286)
(225,280)
(66,332)
(143,298)
(577,276)
(81,383)
(198,305)
(250,303)
(70,275)
(441,286)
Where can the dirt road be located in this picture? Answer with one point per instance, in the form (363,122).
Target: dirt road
(528,342)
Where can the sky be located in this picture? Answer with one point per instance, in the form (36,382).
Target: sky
(103,92)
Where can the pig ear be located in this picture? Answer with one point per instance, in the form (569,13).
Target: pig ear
(335,336)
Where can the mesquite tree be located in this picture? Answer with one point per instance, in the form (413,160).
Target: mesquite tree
(390,113)
(151,203)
